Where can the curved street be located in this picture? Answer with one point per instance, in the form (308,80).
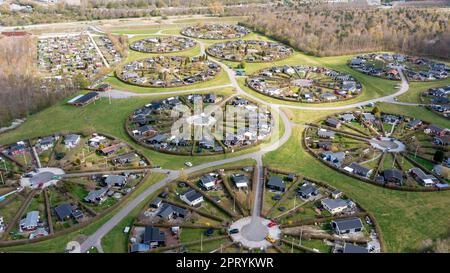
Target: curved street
(96,237)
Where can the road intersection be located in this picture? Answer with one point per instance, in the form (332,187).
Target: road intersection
(94,240)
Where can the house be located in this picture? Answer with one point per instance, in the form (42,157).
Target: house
(125,158)
(96,140)
(276,183)
(336,194)
(334,158)
(442,140)
(423,179)
(72,140)
(210,98)
(368,117)
(307,190)
(332,122)
(335,206)
(323,133)
(17,148)
(350,248)
(393,176)
(138,247)
(109,150)
(414,124)
(326,145)
(328,96)
(96,196)
(192,197)
(68,211)
(435,130)
(156,203)
(146,130)
(115,181)
(46,143)
(104,87)
(169,211)
(86,99)
(240,180)
(208,181)
(291,177)
(30,222)
(153,237)
(357,169)
(347,117)
(347,226)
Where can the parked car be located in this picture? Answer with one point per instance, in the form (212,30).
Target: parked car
(234,231)
(189,164)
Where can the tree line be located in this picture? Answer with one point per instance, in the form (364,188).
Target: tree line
(338,30)
(23,91)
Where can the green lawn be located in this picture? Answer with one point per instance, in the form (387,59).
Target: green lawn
(406,218)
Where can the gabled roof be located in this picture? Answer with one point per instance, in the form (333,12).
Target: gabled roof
(348,224)
(153,234)
(349,248)
(307,189)
(192,195)
(276,181)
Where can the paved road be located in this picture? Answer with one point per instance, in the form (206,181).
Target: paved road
(119,94)
(95,239)
(105,172)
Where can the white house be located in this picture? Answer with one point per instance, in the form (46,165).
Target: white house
(192,197)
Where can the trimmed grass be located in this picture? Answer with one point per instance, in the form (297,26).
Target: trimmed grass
(104,118)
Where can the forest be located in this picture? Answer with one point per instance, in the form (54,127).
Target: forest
(23,91)
(332,30)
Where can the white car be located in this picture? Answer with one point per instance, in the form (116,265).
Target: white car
(189,164)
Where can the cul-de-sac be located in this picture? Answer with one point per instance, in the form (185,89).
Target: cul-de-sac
(224,126)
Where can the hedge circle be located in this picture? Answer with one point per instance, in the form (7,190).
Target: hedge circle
(152,125)
(168,71)
(386,66)
(163,44)
(252,51)
(304,84)
(385,149)
(215,31)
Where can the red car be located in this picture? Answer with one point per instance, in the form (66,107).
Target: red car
(272,223)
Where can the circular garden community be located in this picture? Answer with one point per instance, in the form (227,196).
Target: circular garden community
(156,125)
(163,44)
(168,71)
(389,150)
(251,51)
(304,84)
(215,31)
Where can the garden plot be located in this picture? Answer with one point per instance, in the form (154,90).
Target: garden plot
(106,46)
(385,65)
(69,179)
(437,100)
(251,51)
(168,71)
(316,213)
(215,31)
(166,44)
(64,57)
(304,84)
(393,150)
(197,125)
(196,211)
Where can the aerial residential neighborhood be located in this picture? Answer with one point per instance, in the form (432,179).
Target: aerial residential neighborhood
(225,126)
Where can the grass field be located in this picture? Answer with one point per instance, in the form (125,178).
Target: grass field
(406,218)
